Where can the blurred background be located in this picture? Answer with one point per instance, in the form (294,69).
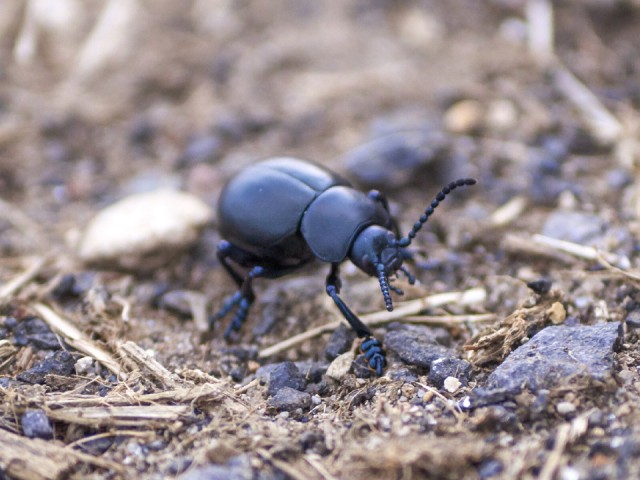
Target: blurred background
(99,99)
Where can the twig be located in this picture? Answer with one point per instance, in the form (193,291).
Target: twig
(601,123)
(540,28)
(444,320)
(581,251)
(142,358)
(76,338)
(508,212)
(567,433)
(23,278)
(313,460)
(467,297)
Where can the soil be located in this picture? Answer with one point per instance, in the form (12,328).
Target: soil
(101,102)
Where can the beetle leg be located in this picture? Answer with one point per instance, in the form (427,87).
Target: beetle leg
(370,346)
(224,251)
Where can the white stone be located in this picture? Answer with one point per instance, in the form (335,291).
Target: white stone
(452,384)
(147,224)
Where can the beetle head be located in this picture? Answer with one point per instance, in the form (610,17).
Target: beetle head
(379,253)
(376,252)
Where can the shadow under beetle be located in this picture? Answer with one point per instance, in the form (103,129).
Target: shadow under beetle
(279,214)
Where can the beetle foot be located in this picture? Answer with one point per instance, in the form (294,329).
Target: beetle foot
(373,352)
(237,300)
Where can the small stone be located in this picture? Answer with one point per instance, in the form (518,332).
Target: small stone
(288,399)
(84,366)
(285,375)
(564,408)
(340,366)
(415,347)
(33,331)
(541,287)
(556,313)
(339,342)
(556,354)
(464,117)
(502,115)
(35,424)
(449,367)
(452,384)
(201,149)
(572,226)
(59,363)
(143,230)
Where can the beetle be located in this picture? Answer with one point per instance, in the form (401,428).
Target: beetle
(281,213)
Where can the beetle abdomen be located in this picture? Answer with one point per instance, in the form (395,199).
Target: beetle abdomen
(335,217)
(261,207)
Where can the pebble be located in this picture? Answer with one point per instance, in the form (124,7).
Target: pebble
(35,424)
(451,384)
(393,158)
(33,331)
(556,354)
(577,227)
(464,117)
(564,408)
(340,366)
(285,375)
(131,232)
(289,399)
(58,363)
(447,368)
(231,471)
(201,149)
(415,347)
(339,342)
(84,366)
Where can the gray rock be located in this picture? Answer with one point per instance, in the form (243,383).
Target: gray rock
(285,375)
(449,367)
(288,399)
(415,347)
(558,356)
(231,471)
(35,424)
(574,227)
(339,342)
(33,331)
(60,363)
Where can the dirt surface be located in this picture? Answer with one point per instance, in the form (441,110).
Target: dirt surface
(110,373)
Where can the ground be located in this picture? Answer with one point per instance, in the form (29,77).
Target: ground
(108,372)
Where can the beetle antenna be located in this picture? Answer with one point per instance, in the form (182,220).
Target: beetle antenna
(462,182)
(384,286)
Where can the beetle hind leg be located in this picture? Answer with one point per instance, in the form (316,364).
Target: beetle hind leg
(371,346)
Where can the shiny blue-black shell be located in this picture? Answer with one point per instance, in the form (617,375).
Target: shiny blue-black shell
(288,210)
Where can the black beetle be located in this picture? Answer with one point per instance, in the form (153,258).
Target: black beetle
(279,214)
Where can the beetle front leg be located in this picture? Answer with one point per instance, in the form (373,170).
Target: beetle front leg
(371,346)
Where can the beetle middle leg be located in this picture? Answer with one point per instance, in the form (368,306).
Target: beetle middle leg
(371,346)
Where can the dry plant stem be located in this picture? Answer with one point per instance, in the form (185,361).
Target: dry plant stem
(467,297)
(315,462)
(143,359)
(520,245)
(566,434)
(444,320)
(76,338)
(540,28)
(600,122)
(22,279)
(508,212)
(580,251)
(35,459)
(119,416)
